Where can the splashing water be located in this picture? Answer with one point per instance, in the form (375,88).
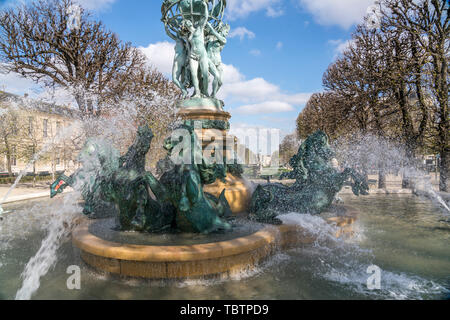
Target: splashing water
(63,134)
(118,128)
(423,187)
(344,262)
(58,230)
(62,221)
(371,153)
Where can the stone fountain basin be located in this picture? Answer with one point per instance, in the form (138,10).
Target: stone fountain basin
(198,260)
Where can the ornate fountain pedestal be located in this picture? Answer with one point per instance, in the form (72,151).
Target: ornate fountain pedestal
(201,260)
(210,123)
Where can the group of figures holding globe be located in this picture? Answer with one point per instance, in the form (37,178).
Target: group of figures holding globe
(200,35)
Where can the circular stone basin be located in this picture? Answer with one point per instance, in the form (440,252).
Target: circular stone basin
(199,255)
(105,229)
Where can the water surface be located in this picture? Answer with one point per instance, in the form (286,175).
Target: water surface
(405,236)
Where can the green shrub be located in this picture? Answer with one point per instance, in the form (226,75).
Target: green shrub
(10,180)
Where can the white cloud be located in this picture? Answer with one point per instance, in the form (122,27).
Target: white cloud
(240,9)
(255,52)
(236,88)
(295,99)
(242,32)
(279,45)
(274,12)
(259,90)
(231,74)
(161,55)
(340,46)
(14,83)
(248,91)
(265,107)
(344,13)
(59,96)
(96,4)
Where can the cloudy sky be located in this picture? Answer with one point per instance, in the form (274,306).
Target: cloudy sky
(275,58)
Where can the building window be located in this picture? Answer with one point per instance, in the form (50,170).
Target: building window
(13,156)
(58,127)
(45,125)
(58,157)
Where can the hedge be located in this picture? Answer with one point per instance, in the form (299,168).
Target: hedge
(10,180)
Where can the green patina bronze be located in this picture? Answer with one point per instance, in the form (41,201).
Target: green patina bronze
(200,35)
(180,202)
(182,186)
(316,186)
(209,124)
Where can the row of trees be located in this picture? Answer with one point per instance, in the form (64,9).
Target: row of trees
(106,78)
(391,82)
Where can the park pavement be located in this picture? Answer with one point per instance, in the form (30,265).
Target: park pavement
(26,191)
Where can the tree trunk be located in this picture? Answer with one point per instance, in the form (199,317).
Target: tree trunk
(34,173)
(53,166)
(381,179)
(8,157)
(444,169)
(410,162)
(8,163)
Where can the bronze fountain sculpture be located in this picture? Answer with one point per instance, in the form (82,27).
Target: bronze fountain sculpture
(180,199)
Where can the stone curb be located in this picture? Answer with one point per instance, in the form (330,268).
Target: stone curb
(171,262)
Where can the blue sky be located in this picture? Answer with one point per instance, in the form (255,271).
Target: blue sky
(274,60)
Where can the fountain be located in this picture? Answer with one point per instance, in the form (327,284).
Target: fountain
(204,191)
(201,221)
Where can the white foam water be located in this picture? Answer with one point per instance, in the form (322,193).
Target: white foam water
(61,136)
(58,229)
(395,286)
(343,261)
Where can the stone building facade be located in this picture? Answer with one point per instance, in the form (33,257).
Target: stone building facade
(45,131)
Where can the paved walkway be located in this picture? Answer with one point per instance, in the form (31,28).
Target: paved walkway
(24,192)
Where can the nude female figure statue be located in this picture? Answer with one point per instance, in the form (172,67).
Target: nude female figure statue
(179,62)
(198,57)
(194,60)
(214,49)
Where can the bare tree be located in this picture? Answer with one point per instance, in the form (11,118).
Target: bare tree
(37,41)
(148,98)
(359,79)
(327,112)
(288,148)
(428,24)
